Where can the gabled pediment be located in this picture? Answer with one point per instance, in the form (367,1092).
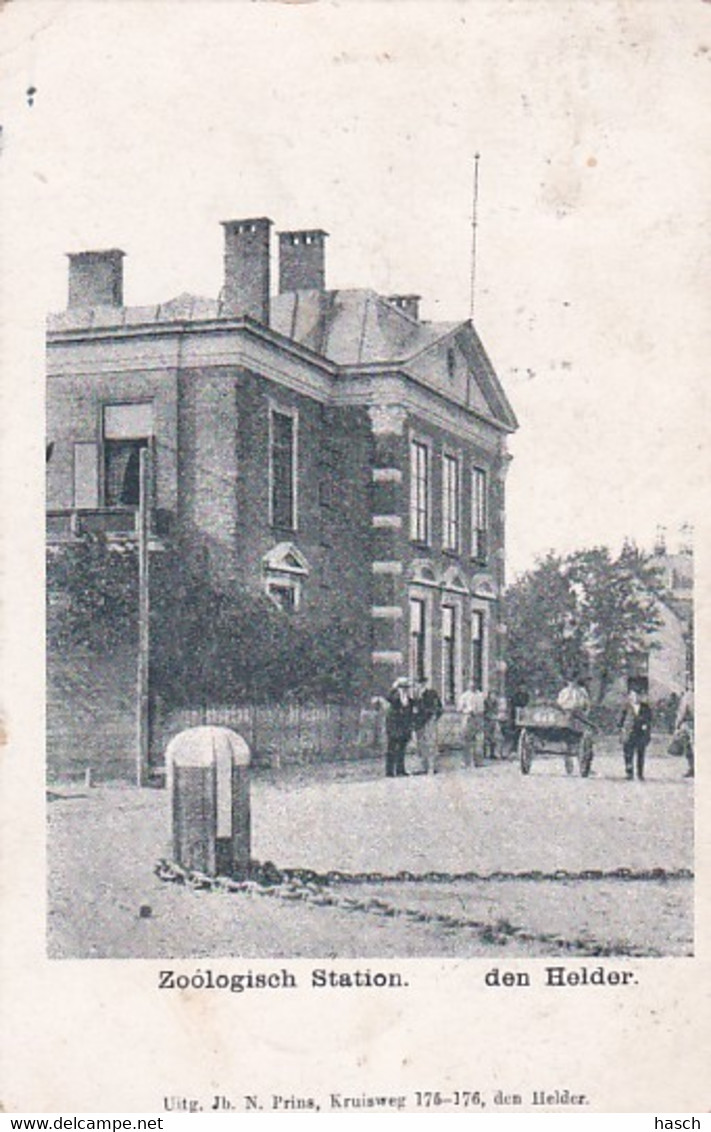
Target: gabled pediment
(423,572)
(483,585)
(483,374)
(285,558)
(457,365)
(454,580)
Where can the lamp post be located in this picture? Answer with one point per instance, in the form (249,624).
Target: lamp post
(142,714)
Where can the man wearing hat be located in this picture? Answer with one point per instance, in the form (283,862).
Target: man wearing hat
(398,727)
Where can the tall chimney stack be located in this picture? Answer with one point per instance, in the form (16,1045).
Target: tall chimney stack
(246,290)
(408,304)
(302,265)
(96,279)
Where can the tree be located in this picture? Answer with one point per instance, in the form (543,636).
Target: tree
(589,613)
(617,602)
(208,646)
(237,646)
(92,594)
(544,640)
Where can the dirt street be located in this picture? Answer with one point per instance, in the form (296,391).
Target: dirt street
(555,845)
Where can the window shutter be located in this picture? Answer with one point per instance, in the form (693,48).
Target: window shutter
(86,476)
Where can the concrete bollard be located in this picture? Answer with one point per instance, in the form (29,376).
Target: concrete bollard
(208,784)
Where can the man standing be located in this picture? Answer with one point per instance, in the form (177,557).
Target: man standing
(471,707)
(635,732)
(518,699)
(491,725)
(684,725)
(574,698)
(427,709)
(398,727)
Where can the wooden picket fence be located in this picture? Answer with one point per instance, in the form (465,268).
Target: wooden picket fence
(279,734)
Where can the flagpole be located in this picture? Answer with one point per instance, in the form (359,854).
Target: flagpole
(475,203)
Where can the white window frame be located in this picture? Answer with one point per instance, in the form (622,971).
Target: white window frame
(420,594)
(284,411)
(480,612)
(451,501)
(479,513)
(273,583)
(453,603)
(420,443)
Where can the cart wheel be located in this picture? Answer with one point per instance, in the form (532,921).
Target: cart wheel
(586,755)
(569,764)
(525,751)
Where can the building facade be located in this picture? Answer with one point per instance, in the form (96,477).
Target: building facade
(327,447)
(666,666)
(670,662)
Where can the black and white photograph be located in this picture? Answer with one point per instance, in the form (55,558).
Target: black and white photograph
(366,462)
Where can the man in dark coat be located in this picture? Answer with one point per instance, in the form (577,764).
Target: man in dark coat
(491,728)
(635,732)
(398,727)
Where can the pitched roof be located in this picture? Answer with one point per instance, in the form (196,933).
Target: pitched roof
(360,327)
(348,327)
(353,327)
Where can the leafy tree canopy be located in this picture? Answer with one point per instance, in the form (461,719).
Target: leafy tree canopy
(207,646)
(92,594)
(587,613)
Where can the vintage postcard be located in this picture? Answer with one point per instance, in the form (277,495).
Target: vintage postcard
(355,548)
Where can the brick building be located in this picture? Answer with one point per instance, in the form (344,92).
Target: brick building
(328,447)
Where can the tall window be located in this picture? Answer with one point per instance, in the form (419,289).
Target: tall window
(127,429)
(419,491)
(283,470)
(450,502)
(449,654)
(477,650)
(479,515)
(418,638)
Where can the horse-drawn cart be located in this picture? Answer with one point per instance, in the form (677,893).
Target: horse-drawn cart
(546,729)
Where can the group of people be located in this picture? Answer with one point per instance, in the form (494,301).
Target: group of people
(413,709)
(635,724)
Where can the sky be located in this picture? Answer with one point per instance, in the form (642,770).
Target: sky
(152,122)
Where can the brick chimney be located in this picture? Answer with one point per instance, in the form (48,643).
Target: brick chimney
(302,265)
(246,289)
(96,279)
(408,304)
